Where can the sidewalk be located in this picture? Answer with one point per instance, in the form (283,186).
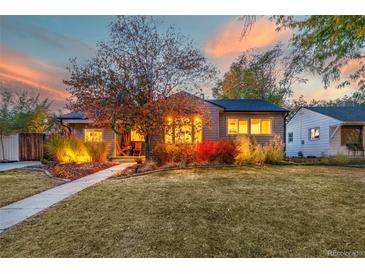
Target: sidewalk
(9,166)
(19,211)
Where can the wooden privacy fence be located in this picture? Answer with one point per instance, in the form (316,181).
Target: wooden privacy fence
(23,147)
(31,146)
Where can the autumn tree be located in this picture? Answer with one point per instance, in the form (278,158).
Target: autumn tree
(326,44)
(331,46)
(259,75)
(128,83)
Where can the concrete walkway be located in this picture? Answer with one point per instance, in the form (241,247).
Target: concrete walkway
(9,166)
(19,211)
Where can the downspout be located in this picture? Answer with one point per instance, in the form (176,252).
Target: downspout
(286,115)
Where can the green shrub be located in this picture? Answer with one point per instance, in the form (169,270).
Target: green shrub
(67,149)
(341,159)
(98,151)
(78,151)
(258,155)
(185,154)
(250,152)
(244,152)
(56,146)
(148,166)
(274,150)
(161,153)
(324,160)
(182,154)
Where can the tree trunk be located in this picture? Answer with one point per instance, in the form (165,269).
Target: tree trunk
(2,147)
(148,148)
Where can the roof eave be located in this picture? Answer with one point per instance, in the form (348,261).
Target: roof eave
(285,111)
(77,121)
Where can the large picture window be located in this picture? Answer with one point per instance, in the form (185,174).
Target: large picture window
(184,131)
(237,126)
(93,135)
(241,126)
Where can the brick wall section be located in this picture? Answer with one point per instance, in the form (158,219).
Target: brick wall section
(278,125)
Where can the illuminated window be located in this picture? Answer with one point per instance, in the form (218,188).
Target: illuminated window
(168,131)
(260,126)
(183,134)
(265,126)
(136,137)
(237,126)
(93,135)
(183,131)
(314,133)
(198,130)
(242,126)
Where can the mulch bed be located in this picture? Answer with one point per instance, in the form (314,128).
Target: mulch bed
(75,171)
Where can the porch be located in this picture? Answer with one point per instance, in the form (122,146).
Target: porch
(129,145)
(348,139)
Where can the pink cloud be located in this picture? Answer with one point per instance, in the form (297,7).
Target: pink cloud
(351,67)
(16,67)
(227,40)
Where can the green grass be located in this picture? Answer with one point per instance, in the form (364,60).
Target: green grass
(18,184)
(277,211)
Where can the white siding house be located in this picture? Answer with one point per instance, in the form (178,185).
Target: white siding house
(321,131)
(11,148)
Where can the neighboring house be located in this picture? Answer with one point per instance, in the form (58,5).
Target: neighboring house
(229,119)
(321,131)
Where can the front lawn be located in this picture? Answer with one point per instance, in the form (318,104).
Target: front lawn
(275,211)
(18,184)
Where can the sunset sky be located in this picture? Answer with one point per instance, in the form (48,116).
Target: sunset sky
(34,50)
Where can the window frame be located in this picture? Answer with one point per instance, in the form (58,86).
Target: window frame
(360,137)
(135,133)
(93,130)
(264,134)
(172,129)
(310,136)
(290,138)
(238,125)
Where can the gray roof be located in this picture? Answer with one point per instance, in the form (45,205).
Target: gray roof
(73,115)
(247,105)
(345,114)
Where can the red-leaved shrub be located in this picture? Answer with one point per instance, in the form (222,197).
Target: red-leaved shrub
(225,152)
(205,152)
(221,152)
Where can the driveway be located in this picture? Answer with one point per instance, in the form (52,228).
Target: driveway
(9,166)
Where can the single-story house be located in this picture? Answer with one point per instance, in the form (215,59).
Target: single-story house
(326,131)
(229,119)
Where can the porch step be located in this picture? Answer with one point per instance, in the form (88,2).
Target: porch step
(127,159)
